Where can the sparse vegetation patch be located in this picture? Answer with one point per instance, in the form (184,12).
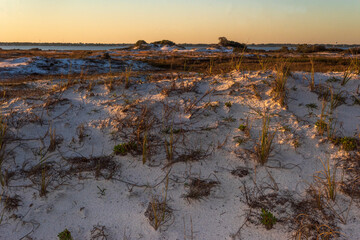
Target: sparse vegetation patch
(259,139)
(199,189)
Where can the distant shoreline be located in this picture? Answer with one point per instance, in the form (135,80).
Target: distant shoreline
(61,44)
(181,44)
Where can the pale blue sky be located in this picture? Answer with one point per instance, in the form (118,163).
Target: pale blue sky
(261,21)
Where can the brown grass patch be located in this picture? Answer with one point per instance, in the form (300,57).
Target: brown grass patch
(102,166)
(200,189)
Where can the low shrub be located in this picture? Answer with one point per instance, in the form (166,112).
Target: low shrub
(267,219)
(242,127)
(227,43)
(347,143)
(124,148)
(164,43)
(65,235)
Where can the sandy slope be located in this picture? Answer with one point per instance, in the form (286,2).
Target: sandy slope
(25,66)
(195,109)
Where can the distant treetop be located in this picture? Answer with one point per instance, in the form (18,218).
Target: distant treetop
(140,42)
(164,43)
(224,42)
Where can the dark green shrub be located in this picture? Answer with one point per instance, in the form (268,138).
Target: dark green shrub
(124,148)
(65,235)
(267,219)
(348,143)
(242,127)
(120,149)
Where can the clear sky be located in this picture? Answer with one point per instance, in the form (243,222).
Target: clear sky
(191,21)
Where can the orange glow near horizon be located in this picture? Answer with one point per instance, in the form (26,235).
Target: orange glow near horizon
(201,21)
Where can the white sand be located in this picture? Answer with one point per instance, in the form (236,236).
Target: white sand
(76,204)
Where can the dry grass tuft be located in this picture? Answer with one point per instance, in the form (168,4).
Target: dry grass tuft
(327,180)
(279,84)
(264,147)
(158,213)
(309,229)
(11,203)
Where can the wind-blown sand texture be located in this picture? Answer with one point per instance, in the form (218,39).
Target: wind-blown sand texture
(191,171)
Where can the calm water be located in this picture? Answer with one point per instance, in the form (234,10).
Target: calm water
(104,47)
(63,48)
(71,48)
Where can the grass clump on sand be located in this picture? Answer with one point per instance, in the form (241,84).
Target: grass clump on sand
(10,203)
(279,85)
(125,148)
(264,146)
(158,212)
(327,180)
(346,143)
(321,126)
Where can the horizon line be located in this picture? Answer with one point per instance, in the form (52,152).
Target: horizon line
(102,43)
